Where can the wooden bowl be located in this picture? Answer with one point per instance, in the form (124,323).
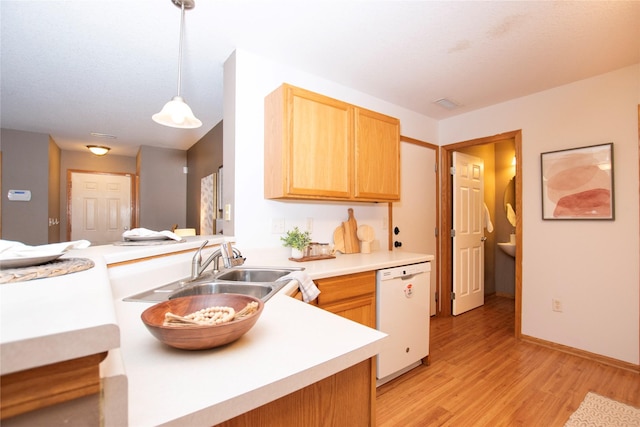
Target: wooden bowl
(200,337)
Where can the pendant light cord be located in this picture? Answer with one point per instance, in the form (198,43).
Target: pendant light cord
(180,48)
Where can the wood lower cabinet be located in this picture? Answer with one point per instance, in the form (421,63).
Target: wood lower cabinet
(320,148)
(343,399)
(45,386)
(352,296)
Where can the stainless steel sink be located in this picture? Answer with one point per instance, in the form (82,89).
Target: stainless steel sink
(262,291)
(252,275)
(260,282)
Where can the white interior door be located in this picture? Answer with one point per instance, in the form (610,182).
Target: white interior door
(414,216)
(468,238)
(100,207)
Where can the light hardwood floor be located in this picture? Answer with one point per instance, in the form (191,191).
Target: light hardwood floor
(480,375)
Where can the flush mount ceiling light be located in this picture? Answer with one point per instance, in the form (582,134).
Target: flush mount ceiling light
(446,103)
(98,150)
(176,113)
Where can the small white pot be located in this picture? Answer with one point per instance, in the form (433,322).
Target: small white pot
(296,253)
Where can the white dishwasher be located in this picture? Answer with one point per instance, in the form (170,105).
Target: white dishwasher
(402,312)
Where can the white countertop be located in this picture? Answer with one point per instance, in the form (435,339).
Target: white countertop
(338,266)
(46,321)
(292,345)
(49,320)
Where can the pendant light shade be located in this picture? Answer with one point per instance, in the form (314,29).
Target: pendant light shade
(176,113)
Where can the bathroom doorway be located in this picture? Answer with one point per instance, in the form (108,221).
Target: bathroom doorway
(497,142)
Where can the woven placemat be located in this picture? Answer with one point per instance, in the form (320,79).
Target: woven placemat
(55,268)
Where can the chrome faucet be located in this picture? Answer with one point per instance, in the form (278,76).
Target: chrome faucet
(231,257)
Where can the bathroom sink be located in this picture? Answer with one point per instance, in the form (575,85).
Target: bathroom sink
(508,248)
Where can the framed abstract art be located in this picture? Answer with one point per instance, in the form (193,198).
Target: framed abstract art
(578,183)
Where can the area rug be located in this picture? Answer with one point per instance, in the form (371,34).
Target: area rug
(600,411)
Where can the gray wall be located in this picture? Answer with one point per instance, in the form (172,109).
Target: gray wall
(25,166)
(163,187)
(203,159)
(32,161)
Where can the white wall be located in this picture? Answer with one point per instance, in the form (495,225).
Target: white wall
(248,79)
(591,266)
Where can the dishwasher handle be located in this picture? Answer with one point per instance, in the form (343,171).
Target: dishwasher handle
(411,276)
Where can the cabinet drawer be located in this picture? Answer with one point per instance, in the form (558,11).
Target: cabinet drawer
(344,287)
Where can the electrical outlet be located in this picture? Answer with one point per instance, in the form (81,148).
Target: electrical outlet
(309,225)
(556,305)
(277,226)
(385,222)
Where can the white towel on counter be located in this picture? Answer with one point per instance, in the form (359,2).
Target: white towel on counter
(309,289)
(143,232)
(10,249)
(487,219)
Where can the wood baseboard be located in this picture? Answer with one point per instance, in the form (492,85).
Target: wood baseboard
(584,354)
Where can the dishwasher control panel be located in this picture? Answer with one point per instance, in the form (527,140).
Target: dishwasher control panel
(405,270)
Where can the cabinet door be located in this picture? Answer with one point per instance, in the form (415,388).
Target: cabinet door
(319,147)
(351,296)
(377,156)
(361,310)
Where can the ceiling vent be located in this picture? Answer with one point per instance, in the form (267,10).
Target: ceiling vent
(446,103)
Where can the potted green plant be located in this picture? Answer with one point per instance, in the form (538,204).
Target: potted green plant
(297,241)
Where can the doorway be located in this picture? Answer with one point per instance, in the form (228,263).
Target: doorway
(447,218)
(100,206)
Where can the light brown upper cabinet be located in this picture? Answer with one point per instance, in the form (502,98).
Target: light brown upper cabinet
(320,148)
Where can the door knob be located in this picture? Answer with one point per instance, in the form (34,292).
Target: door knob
(397,244)
(396,231)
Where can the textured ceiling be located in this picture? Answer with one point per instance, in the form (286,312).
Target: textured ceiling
(69,68)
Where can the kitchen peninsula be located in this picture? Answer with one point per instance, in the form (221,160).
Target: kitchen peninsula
(293,346)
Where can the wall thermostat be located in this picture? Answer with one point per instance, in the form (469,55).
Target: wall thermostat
(20,195)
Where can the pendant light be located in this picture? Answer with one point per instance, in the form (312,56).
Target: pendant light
(176,113)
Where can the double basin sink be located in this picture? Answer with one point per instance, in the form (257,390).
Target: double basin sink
(258,282)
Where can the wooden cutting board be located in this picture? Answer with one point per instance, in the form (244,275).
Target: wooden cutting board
(351,241)
(366,236)
(338,240)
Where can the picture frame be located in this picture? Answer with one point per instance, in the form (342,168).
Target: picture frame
(577,183)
